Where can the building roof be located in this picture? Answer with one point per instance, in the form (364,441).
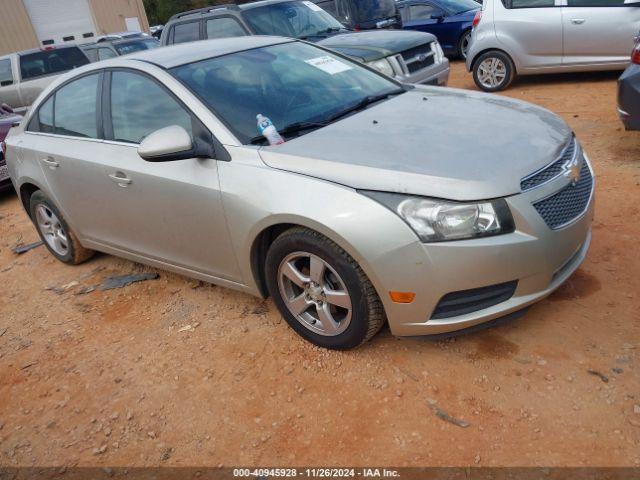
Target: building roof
(184,53)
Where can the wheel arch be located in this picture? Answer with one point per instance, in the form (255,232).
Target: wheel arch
(25,191)
(501,50)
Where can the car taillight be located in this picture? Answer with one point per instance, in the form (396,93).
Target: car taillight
(635,55)
(476,19)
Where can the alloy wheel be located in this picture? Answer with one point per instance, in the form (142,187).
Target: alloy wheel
(314,293)
(52,230)
(492,72)
(464,44)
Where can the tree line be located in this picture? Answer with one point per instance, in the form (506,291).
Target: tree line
(159,11)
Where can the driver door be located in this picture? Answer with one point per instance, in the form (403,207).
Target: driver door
(166,211)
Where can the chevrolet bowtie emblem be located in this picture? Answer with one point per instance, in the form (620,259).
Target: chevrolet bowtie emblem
(572,169)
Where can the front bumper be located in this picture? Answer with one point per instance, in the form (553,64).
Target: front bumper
(538,258)
(436,74)
(629,97)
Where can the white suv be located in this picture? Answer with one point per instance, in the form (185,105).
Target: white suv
(521,37)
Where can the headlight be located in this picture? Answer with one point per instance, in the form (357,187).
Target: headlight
(437,50)
(436,220)
(382,65)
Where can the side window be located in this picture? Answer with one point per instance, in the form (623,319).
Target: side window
(106,53)
(223,27)
(342,12)
(531,3)
(92,54)
(596,3)
(43,120)
(404,13)
(186,32)
(422,11)
(75,108)
(329,7)
(139,106)
(6,74)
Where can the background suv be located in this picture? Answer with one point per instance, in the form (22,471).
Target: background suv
(521,37)
(409,57)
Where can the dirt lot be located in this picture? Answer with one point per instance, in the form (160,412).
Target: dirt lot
(114,378)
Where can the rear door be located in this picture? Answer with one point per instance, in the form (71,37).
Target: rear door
(531,32)
(599,31)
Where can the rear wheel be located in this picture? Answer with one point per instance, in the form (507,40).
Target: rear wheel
(493,71)
(321,291)
(54,231)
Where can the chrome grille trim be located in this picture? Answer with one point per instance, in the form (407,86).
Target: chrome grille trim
(553,170)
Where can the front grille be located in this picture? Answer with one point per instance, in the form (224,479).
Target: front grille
(569,203)
(468,301)
(419,57)
(551,171)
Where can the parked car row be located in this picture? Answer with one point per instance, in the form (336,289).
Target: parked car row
(411,57)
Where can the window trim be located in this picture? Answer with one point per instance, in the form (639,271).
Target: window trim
(508,4)
(99,123)
(205,35)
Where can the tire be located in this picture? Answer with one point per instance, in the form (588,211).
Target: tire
(58,238)
(345,324)
(504,69)
(466,35)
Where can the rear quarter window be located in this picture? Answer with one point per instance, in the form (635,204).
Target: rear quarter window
(186,32)
(6,74)
(50,62)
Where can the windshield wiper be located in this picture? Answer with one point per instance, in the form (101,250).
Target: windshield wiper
(322,33)
(297,127)
(362,104)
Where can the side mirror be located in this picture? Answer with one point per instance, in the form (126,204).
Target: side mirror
(437,16)
(167,144)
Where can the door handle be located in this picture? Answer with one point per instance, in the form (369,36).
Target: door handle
(51,162)
(120,178)
(577,21)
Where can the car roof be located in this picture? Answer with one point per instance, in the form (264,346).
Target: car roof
(184,53)
(226,8)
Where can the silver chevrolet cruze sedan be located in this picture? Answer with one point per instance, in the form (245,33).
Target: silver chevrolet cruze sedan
(380,205)
(524,37)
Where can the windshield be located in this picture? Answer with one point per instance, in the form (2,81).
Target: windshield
(288,83)
(48,62)
(291,19)
(366,11)
(459,6)
(125,48)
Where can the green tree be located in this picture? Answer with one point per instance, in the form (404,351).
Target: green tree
(159,11)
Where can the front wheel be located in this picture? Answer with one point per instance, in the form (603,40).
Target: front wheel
(321,291)
(493,71)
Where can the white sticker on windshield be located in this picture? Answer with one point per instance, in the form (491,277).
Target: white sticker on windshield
(328,64)
(312,6)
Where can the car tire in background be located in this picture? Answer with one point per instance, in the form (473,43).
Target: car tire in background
(463,44)
(493,71)
(55,232)
(321,291)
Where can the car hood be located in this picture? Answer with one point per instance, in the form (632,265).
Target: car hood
(376,44)
(430,141)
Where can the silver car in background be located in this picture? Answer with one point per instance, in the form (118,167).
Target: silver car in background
(375,208)
(523,37)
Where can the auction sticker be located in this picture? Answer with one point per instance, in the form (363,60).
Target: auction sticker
(328,64)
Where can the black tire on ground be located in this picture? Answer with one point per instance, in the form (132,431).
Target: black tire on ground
(76,252)
(509,67)
(460,42)
(367,316)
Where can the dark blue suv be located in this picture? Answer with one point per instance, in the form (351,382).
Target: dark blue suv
(449,20)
